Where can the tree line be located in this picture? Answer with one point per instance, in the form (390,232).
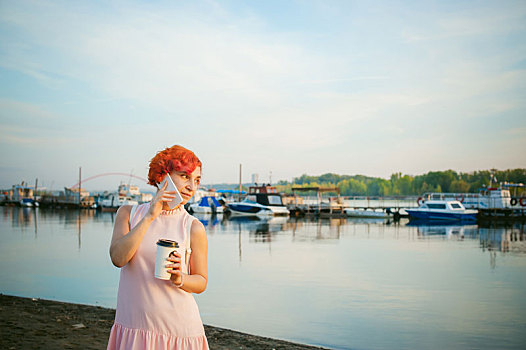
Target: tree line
(403,185)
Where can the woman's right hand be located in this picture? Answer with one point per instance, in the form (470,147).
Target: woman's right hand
(157,204)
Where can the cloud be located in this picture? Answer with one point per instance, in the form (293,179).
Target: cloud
(339,84)
(145,57)
(27,111)
(30,137)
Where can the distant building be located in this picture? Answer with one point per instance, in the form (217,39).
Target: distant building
(255,178)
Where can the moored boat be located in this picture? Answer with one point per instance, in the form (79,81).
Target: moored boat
(207,205)
(260,201)
(21,195)
(28,202)
(115,200)
(503,196)
(366,213)
(125,195)
(442,210)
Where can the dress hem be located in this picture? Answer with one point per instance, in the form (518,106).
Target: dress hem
(126,338)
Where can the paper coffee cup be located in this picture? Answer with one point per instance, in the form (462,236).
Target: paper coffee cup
(164,248)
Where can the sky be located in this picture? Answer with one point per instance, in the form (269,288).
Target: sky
(284,88)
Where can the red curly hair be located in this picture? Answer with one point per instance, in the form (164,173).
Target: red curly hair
(175,158)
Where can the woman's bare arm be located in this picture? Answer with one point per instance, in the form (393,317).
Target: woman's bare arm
(197,280)
(124,243)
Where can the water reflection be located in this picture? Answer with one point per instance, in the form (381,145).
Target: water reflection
(260,230)
(344,283)
(312,229)
(505,238)
(209,221)
(493,237)
(448,230)
(26,219)
(19,217)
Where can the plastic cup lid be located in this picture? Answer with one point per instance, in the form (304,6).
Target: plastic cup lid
(168,243)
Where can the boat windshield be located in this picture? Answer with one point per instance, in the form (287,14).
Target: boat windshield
(274,200)
(436,206)
(251,198)
(455,206)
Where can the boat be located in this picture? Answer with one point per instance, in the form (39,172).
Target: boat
(503,196)
(126,195)
(366,213)
(69,198)
(134,193)
(123,196)
(28,202)
(207,205)
(115,200)
(21,195)
(442,210)
(260,201)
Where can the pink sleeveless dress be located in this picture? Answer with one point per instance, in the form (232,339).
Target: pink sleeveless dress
(153,313)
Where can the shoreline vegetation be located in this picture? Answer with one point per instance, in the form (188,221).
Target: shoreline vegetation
(29,323)
(408,185)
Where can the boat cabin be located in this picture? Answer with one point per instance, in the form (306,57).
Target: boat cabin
(264,195)
(442,205)
(262,189)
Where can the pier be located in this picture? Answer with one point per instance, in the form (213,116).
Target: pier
(493,204)
(299,206)
(343,206)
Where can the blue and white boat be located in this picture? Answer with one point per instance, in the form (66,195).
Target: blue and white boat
(442,210)
(28,202)
(207,205)
(260,201)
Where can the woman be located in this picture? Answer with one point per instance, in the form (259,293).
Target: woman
(154,313)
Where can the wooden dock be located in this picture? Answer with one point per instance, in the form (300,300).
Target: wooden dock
(301,210)
(335,206)
(502,214)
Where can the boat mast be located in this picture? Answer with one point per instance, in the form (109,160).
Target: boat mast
(80,182)
(35,192)
(239,195)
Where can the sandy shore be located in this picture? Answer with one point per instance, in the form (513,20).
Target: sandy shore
(43,324)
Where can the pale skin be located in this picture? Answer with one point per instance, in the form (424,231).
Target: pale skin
(124,243)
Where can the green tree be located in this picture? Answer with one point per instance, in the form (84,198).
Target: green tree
(399,184)
(459,186)
(352,187)
(379,187)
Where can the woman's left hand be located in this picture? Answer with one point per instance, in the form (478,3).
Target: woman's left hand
(175,268)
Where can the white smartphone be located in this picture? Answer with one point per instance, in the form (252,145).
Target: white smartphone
(171,187)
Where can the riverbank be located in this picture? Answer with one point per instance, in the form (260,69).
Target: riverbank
(27,323)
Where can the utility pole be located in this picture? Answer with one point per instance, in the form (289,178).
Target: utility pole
(35,192)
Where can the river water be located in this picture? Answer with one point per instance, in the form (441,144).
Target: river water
(339,283)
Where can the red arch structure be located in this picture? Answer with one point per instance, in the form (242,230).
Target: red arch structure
(109,174)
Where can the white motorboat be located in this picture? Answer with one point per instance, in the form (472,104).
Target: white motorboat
(442,210)
(260,201)
(366,213)
(126,195)
(115,200)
